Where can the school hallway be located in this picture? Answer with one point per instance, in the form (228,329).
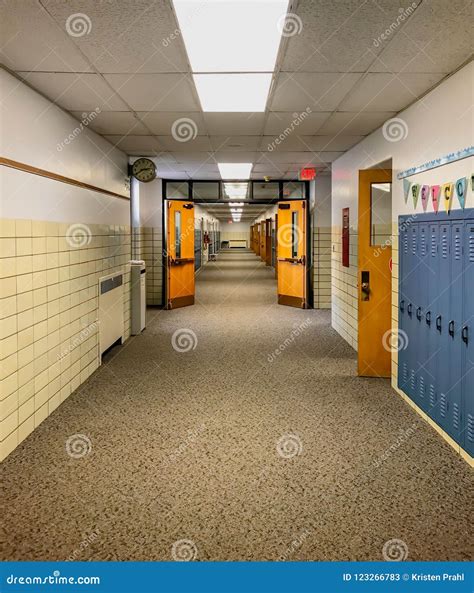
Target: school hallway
(235,429)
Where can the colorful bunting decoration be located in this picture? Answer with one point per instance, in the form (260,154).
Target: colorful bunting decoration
(461,185)
(415,192)
(425,194)
(447,189)
(435,189)
(406,189)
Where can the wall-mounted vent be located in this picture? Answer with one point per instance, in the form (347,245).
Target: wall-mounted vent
(111,326)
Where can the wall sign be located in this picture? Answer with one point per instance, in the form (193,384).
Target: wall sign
(345,237)
(444,160)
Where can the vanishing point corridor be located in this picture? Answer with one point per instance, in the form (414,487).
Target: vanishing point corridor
(234,429)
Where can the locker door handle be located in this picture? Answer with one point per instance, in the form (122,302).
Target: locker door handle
(465,334)
(438,323)
(428,317)
(410,309)
(451,328)
(418,313)
(402,306)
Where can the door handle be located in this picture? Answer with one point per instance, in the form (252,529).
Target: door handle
(465,334)
(428,317)
(402,306)
(438,323)
(410,309)
(293,260)
(365,286)
(418,313)
(181,260)
(451,328)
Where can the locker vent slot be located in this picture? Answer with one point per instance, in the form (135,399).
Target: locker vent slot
(442,405)
(456,416)
(422,387)
(405,372)
(457,247)
(470,428)
(432,394)
(413,380)
(471,246)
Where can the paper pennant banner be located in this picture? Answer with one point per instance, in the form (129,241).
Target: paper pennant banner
(461,185)
(415,192)
(406,189)
(435,189)
(447,189)
(425,194)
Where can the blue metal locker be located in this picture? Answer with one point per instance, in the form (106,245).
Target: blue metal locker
(442,321)
(421,328)
(413,298)
(431,314)
(403,290)
(467,338)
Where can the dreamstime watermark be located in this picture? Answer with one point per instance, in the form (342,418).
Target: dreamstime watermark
(289,235)
(289,445)
(78,24)
(395,129)
(395,550)
(79,339)
(404,13)
(295,332)
(85,543)
(184,550)
(184,129)
(402,438)
(86,119)
(395,339)
(78,446)
(295,545)
(289,24)
(78,235)
(186,444)
(184,340)
(171,37)
(295,122)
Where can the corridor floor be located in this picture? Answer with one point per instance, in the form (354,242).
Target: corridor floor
(235,430)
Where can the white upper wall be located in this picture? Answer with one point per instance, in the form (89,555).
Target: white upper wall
(36,132)
(438,124)
(320,200)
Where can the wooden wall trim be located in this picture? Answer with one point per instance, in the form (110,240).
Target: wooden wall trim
(56,177)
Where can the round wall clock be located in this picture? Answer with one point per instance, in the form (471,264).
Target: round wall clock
(144,170)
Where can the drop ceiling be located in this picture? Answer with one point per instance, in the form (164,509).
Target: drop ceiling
(132,67)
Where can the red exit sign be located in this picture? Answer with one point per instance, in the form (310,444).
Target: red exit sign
(307,174)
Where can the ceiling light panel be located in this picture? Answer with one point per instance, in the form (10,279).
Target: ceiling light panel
(233,92)
(234,171)
(231,35)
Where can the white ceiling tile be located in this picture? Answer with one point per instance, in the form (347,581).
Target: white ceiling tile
(193,158)
(199,143)
(330,143)
(283,143)
(155,92)
(76,92)
(162,122)
(437,38)
(114,122)
(235,143)
(283,122)
(224,156)
(316,91)
(339,36)
(298,157)
(146,144)
(124,36)
(388,92)
(248,124)
(32,41)
(354,122)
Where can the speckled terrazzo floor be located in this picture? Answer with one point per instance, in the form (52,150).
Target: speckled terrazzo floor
(192,446)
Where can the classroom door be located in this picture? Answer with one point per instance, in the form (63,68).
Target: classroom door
(268,242)
(291,254)
(179,254)
(375,339)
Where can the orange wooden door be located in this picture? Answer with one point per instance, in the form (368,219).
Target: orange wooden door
(291,253)
(263,244)
(268,242)
(257,239)
(375,274)
(180,254)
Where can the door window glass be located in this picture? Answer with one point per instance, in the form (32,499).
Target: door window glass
(294,234)
(380,213)
(177,230)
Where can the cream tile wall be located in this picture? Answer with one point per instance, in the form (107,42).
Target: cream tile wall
(49,275)
(151,250)
(322,267)
(344,286)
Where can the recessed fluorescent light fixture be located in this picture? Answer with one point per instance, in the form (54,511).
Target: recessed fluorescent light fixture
(231,35)
(233,92)
(231,204)
(234,171)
